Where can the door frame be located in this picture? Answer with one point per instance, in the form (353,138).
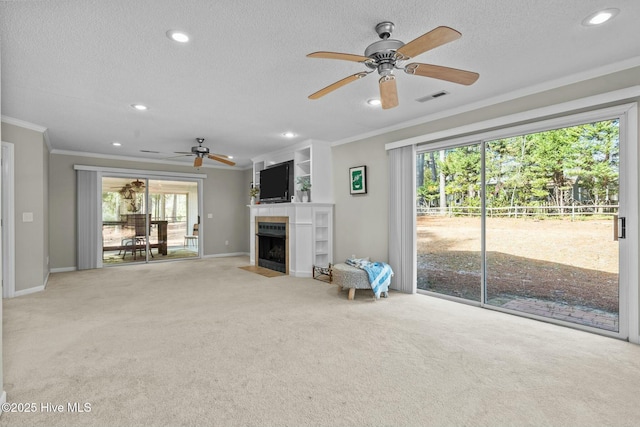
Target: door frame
(146,176)
(8,221)
(629,293)
(149,174)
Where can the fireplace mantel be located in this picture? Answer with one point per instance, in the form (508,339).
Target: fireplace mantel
(310,234)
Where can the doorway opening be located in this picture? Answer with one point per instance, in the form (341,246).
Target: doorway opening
(146,220)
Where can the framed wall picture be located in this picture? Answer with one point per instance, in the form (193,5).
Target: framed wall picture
(358,180)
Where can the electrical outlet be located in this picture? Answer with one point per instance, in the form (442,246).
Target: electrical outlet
(226,242)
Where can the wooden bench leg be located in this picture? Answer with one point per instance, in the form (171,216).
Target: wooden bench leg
(352,293)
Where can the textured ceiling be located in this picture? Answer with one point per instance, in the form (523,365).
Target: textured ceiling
(75,67)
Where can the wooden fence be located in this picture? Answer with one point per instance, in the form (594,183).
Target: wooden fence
(521,211)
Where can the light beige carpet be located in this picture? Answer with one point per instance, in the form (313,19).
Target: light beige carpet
(205,343)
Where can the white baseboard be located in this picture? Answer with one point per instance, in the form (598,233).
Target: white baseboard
(300,274)
(29,291)
(62,270)
(226,255)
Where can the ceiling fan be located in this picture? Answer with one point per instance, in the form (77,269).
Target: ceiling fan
(385,56)
(200,152)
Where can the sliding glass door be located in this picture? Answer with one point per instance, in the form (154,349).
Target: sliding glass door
(449,222)
(527,224)
(125,221)
(174,209)
(147,220)
(552,205)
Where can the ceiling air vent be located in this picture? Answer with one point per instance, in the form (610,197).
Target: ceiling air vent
(432,96)
(149,151)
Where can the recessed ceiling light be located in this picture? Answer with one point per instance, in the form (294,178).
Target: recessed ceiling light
(140,107)
(178,36)
(289,135)
(116,144)
(229,157)
(600,17)
(373,101)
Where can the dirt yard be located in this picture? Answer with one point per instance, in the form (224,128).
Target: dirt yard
(574,263)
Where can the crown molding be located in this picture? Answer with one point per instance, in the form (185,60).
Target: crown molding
(30,126)
(535,114)
(23,124)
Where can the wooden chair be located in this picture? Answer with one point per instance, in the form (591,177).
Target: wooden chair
(137,242)
(193,237)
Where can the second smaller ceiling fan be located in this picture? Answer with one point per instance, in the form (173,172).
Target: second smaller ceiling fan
(201,152)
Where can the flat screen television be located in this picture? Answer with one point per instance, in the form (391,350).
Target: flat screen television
(276,183)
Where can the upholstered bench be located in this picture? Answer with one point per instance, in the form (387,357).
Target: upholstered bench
(352,278)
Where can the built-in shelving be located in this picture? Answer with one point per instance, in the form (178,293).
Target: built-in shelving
(310,159)
(257,167)
(311,224)
(322,230)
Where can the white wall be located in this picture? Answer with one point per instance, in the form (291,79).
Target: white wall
(361,221)
(31,182)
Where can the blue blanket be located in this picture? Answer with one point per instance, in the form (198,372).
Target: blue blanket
(379,274)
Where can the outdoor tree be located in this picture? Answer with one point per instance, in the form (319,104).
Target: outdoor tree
(577,164)
(461,168)
(599,168)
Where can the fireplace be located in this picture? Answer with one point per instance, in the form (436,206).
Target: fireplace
(271,243)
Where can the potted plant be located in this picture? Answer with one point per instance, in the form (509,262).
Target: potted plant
(253,193)
(304,185)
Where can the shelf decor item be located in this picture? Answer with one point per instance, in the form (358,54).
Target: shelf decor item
(304,184)
(253,193)
(358,180)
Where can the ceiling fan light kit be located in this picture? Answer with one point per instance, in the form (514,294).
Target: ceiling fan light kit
(385,56)
(178,36)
